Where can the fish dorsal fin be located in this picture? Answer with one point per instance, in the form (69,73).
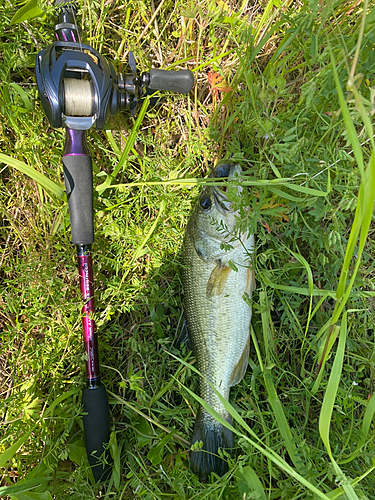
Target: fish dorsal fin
(240,369)
(217,279)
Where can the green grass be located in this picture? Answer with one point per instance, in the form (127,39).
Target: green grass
(299,120)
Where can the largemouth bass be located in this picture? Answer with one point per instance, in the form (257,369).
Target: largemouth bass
(217,317)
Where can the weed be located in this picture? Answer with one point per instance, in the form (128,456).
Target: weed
(287,90)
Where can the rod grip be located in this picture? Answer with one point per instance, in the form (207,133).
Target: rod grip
(97,431)
(79,189)
(181,81)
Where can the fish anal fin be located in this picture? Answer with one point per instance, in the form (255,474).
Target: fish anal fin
(216,281)
(250,281)
(183,336)
(240,369)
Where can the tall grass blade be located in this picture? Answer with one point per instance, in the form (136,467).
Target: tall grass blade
(250,476)
(363,212)
(143,243)
(128,147)
(273,399)
(357,150)
(266,18)
(243,181)
(32,496)
(23,486)
(349,125)
(285,196)
(12,450)
(58,400)
(328,340)
(282,423)
(23,95)
(331,391)
(367,421)
(266,451)
(361,224)
(316,292)
(325,416)
(33,174)
(28,11)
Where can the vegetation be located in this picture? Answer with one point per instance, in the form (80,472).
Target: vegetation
(287,88)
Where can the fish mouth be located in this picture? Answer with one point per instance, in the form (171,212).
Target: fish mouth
(222,170)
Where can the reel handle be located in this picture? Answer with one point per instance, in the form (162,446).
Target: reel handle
(181,81)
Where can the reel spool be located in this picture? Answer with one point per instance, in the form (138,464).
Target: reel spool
(78,97)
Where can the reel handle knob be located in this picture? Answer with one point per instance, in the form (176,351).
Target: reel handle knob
(181,81)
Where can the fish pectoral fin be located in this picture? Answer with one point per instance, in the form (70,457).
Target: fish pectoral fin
(217,279)
(240,369)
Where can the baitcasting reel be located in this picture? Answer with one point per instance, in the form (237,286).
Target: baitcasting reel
(78,87)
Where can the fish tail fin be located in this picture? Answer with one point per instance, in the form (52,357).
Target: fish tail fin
(213,435)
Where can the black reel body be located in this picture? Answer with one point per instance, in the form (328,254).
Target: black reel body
(78,87)
(99,97)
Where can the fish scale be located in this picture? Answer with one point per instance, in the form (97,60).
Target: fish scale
(217,317)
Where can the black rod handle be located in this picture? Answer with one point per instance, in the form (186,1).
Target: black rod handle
(77,165)
(97,431)
(79,189)
(181,81)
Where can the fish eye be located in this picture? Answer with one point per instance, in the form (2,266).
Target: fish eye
(205,202)
(222,170)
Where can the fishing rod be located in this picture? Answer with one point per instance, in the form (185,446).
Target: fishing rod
(78,89)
